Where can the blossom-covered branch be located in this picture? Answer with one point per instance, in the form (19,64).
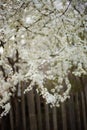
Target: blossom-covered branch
(42,42)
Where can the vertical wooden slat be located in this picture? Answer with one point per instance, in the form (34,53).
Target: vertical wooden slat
(47,117)
(85,91)
(84,86)
(71,114)
(31,109)
(39,116)
(11,119)
(84,111)
(64,119)
(78,112)
(1,124)
(23,105)
(17,119)
(55,118)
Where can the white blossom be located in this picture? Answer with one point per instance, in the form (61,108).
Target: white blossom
(42,44)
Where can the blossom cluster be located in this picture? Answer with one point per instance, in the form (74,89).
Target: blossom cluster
(42,42)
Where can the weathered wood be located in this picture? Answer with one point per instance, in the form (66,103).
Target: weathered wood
(1,124)
(72,114)
(84,111)
(11,119)
(78,112)
(17,115)
(33,114)
(84,83)
(31,111)
(23,105)
(85,89)
(47,117)
(39,116)
(64,118)
(55,123)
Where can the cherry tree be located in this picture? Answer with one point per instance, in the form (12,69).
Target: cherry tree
(42,43)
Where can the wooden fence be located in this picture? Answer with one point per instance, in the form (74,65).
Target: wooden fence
(29,112)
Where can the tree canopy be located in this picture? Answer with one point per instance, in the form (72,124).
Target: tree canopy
(42,43)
